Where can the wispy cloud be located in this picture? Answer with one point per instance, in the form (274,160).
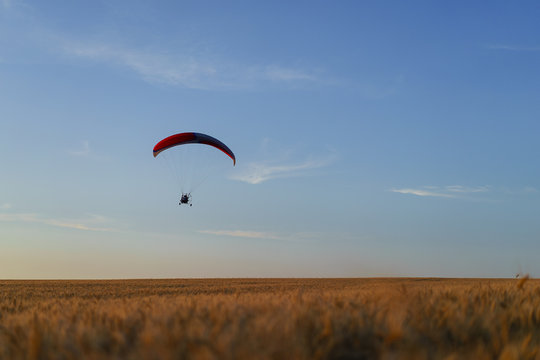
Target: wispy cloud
(513,47)
(5,206)
(296,237)
(90,223)
(276,73)
(421,192)
(466,189)
(190,66)
(451,191)
(151,66)
(243,234)
(380,89)
(192,71)
(83,151)
(258,172)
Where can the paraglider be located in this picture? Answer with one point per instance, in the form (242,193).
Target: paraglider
(190,138)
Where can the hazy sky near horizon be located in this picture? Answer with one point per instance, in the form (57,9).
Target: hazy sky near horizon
(372,138)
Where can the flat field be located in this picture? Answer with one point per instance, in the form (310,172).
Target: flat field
(390,318)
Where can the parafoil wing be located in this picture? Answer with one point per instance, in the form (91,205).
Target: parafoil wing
(192,138)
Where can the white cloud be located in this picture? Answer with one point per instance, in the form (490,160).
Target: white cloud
(85,150)
(258,172)
(451,191)
(513,47)
(243,234)
(524,190)
(6,4)
(195,72)
(380,89)
(294,237)
(90,223)
(152,67)
(466,189)
(276,73)
(5,206)
(193,67)
(468,192)
(421,192)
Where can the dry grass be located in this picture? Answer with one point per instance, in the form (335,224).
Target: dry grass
(271,319)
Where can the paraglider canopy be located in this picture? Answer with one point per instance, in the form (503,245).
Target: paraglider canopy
(192,138)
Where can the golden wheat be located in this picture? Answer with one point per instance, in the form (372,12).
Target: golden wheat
(271,319)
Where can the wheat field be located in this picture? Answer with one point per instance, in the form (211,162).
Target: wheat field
(391,318)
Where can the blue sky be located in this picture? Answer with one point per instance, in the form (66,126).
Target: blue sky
(372,138)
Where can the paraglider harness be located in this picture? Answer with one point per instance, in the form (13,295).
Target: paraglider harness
(185,199)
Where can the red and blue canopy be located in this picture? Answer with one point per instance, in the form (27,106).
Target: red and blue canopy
(192,138)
